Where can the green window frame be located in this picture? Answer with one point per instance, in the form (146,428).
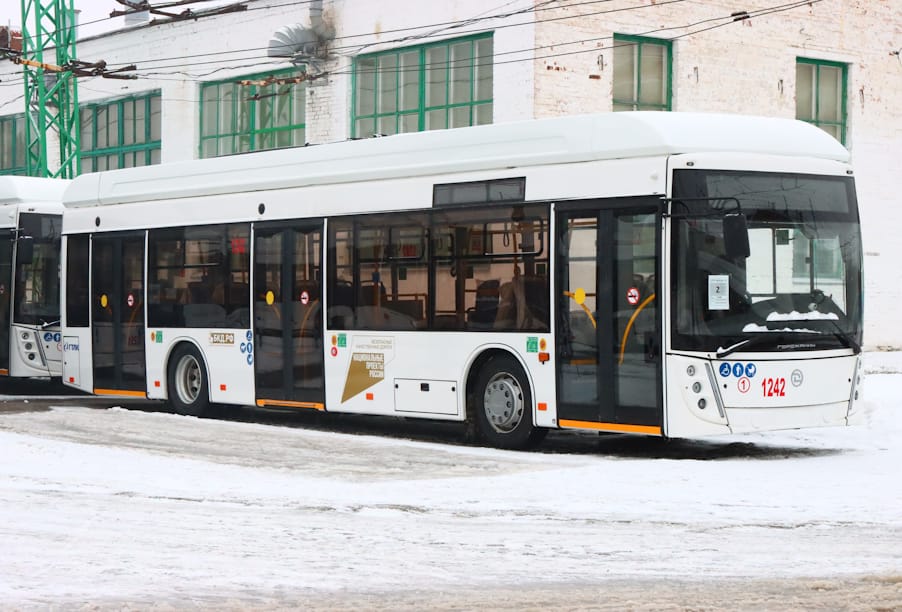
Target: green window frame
(121,133)
(12,145)
(238,118)
(643,73)
(821,95)
(425,87)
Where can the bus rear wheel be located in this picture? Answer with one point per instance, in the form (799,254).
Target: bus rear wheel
(189,393)
(503,405)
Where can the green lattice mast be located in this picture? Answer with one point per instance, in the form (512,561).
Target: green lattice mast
(51,99)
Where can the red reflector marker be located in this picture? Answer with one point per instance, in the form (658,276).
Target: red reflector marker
(222,387)
(369,396)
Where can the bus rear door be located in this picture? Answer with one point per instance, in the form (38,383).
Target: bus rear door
(608,323)
(288,315)
(117,315)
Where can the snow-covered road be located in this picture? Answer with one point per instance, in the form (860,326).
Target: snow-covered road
(119,507)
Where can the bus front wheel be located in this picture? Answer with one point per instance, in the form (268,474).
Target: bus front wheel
(503,405)
(188,390)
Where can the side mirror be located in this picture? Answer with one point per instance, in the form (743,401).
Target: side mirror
(736,236)
(24,250)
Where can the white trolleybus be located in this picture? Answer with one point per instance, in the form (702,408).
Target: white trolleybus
(31,223)
(664,274)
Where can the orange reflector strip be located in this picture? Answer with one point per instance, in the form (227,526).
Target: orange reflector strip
(543,406)
(122,392)
(612,427)
(222,387)
(4,372)
(369,396)
(543,357)
(287,404)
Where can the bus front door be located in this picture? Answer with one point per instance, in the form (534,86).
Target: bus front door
(117,314)
(6,275)
(608,323)
(288,315)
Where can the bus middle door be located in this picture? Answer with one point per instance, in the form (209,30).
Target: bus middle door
(117,314)
(288,315)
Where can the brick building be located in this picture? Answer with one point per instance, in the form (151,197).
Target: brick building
(400,66)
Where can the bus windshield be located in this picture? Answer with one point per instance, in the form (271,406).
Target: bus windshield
(37,294)
(800,286)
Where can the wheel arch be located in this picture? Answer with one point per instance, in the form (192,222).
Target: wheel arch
(176,345)
(478,359)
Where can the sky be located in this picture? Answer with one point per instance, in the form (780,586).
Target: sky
(91,10)
(94,15)
(114,508)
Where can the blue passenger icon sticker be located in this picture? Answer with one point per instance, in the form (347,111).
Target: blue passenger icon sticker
(738,370)
(725,369)
(250,335)
(750,370)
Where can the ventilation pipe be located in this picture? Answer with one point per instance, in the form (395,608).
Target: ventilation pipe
(303,43)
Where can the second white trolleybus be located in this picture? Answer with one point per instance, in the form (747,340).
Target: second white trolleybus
(663,274)
(31,223)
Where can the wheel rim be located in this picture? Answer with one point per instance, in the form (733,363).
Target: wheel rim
(502,401)
(188,379)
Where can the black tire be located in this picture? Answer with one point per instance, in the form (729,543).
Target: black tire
(187,382)
(502,405)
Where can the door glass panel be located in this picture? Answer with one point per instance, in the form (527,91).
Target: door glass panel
(268,310)
(635,324)
(579,307)
(306,302)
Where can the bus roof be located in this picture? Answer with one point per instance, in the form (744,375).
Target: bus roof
(498,146)
(24,189)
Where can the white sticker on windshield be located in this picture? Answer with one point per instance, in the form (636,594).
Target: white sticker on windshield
(718,292)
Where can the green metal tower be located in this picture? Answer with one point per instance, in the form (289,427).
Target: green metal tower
(48,52)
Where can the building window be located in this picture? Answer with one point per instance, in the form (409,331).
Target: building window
(267,114)
(12,145)
(122,133)
(821,95)
(642,73)
(428,87)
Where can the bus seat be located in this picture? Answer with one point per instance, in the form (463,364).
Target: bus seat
(483,314)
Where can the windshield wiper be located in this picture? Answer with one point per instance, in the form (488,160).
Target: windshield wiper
(846,338)
(752,341)
(46,324)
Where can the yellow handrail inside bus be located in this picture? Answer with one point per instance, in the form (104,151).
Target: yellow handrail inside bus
(629,325)
(579,296)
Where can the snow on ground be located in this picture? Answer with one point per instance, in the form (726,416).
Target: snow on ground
(124,508)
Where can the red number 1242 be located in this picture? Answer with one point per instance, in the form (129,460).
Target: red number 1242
(773,387)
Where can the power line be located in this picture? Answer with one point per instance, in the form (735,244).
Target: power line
(543,6)
(725,20)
